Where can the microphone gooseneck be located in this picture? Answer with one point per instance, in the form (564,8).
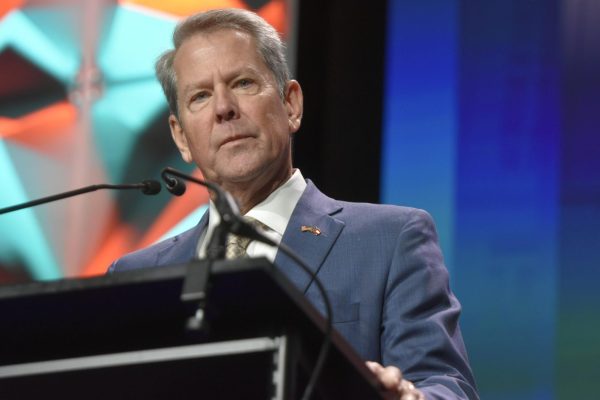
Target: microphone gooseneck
(224,202)
(148,187)
(232,222)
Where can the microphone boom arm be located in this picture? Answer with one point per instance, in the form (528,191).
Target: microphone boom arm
(148,187)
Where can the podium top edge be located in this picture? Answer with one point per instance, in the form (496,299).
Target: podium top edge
(141,275)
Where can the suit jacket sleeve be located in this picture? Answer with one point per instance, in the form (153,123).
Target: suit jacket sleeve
(420,331)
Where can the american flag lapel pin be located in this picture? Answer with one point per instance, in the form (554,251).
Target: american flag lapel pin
(312,229)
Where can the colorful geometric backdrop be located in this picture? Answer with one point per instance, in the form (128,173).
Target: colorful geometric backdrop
(491,123)
(79,105)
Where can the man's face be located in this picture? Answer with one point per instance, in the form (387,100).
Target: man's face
(232,122)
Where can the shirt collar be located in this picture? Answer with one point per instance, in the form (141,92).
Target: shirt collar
(275,211)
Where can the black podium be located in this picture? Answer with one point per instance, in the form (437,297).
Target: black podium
(124,336)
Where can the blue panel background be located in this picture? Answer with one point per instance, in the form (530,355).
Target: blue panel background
(507,192)
(491,123)
(578,317)
(421,72)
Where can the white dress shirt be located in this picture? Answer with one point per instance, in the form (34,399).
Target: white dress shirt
(275,212)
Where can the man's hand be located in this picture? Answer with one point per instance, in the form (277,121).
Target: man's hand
(391,379)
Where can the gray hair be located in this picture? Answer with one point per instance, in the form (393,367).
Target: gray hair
(268,44)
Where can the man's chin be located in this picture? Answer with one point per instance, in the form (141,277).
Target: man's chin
(238,177)
(249,171)
(246,177)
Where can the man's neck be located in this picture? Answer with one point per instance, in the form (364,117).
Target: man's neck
(252,193)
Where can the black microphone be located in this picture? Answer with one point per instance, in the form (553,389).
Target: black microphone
(149,187)
(174,186)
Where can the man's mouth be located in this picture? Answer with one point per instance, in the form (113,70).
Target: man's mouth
(235,138)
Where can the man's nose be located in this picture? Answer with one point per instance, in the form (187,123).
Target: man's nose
(226,106)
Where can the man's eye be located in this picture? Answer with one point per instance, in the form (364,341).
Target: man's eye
(244,83)
(200,96)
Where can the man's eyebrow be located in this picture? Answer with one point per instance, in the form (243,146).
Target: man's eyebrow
(248,68)
(240,71)
(190,87)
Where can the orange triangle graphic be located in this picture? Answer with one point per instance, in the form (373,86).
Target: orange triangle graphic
(41,127)
(7,6)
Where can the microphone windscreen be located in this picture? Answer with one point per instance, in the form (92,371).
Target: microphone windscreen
(175,186)
(151,187)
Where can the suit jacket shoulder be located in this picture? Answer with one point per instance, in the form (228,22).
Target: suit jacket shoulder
(175,250)
(388,286)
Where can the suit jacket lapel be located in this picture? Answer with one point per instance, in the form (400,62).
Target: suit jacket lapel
(314,209)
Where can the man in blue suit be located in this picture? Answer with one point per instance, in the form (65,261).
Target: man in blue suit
(234,110)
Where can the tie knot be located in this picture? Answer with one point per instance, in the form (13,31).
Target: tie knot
(237,245)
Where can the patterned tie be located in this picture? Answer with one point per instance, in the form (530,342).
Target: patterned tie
(237,245)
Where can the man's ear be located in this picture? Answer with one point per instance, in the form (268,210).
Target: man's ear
(294,102)
(180,139)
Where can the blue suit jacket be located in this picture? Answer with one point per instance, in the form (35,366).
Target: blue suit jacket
(385,277)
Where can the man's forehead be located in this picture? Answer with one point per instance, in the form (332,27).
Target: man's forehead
(202,47)
(236,46)
(219,38)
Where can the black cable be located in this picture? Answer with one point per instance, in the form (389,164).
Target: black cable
(320,363)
